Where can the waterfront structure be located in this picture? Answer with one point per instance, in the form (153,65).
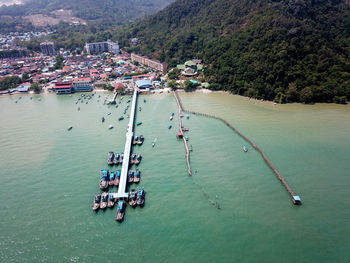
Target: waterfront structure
(63,88)
(154,64)
(47,48)
(143,84)
(82,84)
(101,47)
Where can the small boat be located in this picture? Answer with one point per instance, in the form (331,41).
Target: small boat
(96,203)
(139,123)
(140,197)
(117,177)
(121,118)
(144,100)
(172,114)
(188,116)
(103,119)
(138,159)
(186,138)
(141,139)
(31,98)
(245,148)
(104,200)
(132,158)
(111,178)
(131,177)
(110,203)
(132,197)
(171,118)
(110,159)
(120,211)
(109,113)
(137,176)
(69,128)
(78,108)
(139,108)
(110,127)
(170,126)
(116,158)
(104,179)
(128,101)
(154,142)
(136,140)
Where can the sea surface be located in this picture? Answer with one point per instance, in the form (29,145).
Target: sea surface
(233,208)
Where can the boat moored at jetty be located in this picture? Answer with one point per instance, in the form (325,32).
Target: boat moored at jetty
(117,177)
(104,200)
(120,211)
(133,159)
(111,178)
(104,179)
(132,197)
(116,158)
(138,123)
(138,159)
(110,159)
(96,203)
(131,177)
(110,201)
(140,197)
(137,176)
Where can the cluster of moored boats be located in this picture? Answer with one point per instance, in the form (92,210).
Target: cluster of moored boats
(117,158)
(112,178)
(104,200)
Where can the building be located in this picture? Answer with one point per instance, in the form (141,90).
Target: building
(48,48)
(82,84)
(144,84)
(101,47)
(135,41)
(63,88)
(154,64)
(190,68)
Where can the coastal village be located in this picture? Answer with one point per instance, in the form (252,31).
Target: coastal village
(103,66)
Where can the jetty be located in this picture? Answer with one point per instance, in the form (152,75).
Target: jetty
(295,198)
(122,194)
(181,131)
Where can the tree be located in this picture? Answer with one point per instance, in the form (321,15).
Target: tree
(174,74)
(25,76)
(172,84)
(190,86)
(35,87)
(108,87)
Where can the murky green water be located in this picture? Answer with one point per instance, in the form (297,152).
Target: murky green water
(48,177)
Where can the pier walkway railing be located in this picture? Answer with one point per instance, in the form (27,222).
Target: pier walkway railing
(296,199)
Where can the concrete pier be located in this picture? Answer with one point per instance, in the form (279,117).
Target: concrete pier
(127,150)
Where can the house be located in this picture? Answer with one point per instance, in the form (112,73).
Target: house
(63,88)
(82,84)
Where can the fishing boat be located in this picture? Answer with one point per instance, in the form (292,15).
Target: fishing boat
(138,159)
(245,148)
(69,128)
(170,126)
(139,123)
(110,203)
(117,177)
(103,119)
(136,140)
(137,176)
(96,203)
(131,177)
(132,158)
(121,118)
(116,158)
(140,197)
(132,197)
(120,211)
(110,159)
(104,200)
(111,178)
(141,139)
(110,127)
(104,179)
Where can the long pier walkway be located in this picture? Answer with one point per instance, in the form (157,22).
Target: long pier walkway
(295,198)
(180,108)
(127,150)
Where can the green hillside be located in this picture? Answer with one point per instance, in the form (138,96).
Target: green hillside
(288,50)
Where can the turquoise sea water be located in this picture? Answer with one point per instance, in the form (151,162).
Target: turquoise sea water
(48,177)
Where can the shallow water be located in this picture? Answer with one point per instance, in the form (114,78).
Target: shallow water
(48,177)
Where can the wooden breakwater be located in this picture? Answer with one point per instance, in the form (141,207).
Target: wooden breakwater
(296,199)
(180,108)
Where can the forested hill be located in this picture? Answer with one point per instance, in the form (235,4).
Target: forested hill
(119,11)
(287,50)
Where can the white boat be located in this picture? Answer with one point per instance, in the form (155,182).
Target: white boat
(110,127)
(171,118)
(69,128)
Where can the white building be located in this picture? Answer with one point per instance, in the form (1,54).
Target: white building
(100,47)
